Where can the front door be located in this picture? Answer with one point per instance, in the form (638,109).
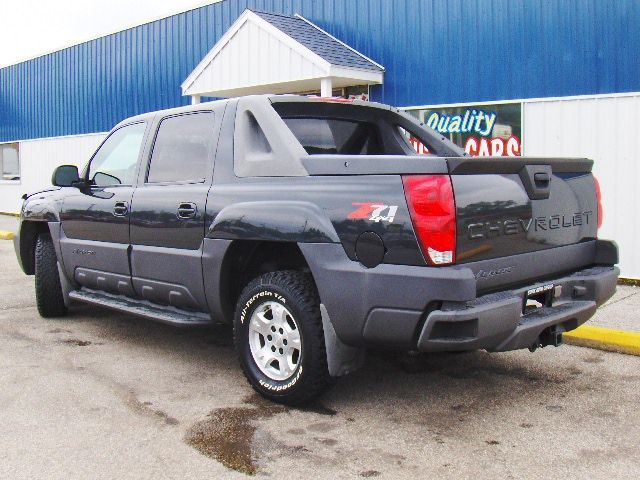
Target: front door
(168,211)
(95,221)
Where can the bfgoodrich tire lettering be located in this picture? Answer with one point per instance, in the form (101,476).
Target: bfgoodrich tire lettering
(293,294)
(49,297)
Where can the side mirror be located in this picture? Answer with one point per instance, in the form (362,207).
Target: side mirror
(66,176)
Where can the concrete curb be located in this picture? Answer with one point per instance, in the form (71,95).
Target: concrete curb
(604,339)
(6,235)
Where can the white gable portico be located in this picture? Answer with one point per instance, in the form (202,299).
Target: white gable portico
(268,53)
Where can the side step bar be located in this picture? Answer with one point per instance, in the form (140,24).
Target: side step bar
(141,308)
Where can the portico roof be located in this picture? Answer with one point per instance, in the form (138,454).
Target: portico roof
(271,53)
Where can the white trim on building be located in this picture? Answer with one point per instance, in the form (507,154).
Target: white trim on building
(254,57)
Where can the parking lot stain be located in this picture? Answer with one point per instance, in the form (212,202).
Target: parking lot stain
(370,473)
(330,442)
(227,435)
(319,409)
(555,408)
(131,400)
(76,342)
(593,359)
(321,427)
(299,448)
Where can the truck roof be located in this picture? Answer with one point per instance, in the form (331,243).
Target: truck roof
(271,97)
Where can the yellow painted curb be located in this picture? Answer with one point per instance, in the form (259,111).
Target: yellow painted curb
(6,235)
(604,339)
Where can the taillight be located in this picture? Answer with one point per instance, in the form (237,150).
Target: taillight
(433,213)
(599,198)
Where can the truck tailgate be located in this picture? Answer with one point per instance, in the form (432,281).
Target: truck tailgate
(520,205)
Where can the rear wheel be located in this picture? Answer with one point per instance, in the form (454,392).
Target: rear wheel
(49,298)
(279,338)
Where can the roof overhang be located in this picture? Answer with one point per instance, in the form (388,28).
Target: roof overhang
(255,57)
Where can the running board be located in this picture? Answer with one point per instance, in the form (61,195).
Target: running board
(141,308)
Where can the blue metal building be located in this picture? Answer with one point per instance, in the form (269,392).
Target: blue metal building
(434,51)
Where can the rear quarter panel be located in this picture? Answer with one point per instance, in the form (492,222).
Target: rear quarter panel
(347,202)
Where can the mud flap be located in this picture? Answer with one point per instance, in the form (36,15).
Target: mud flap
(341,358)
(65,284)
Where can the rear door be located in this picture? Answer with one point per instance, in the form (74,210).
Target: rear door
(168,210)
(95,221)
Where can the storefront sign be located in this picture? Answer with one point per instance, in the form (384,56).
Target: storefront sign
(471,121)
(483,130)
(494,147)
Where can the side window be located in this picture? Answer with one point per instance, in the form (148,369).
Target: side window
(182,148)
(115,162)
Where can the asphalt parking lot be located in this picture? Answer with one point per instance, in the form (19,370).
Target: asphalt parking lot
(103,395)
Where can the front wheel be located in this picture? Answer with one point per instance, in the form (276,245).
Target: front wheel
(49,297)
(279,338)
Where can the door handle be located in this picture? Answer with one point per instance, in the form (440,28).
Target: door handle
(121,209)
(187,210)
(536,180)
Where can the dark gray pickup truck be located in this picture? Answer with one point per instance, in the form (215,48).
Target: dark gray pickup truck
(315,229)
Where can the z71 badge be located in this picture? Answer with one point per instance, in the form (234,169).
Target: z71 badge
(374,211)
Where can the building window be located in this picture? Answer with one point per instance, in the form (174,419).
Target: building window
(9,161)
(481,129)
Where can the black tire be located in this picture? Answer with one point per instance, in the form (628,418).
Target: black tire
(296,291)
(49,298)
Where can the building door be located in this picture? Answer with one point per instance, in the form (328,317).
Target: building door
(168,211)
(95,220)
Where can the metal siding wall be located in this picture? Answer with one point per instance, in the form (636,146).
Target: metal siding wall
(606,130)
(435,51)
(38,159)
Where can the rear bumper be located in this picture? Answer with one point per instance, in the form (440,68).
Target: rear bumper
(495,322)
(439,309)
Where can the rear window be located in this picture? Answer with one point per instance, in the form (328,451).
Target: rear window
(337,128)
(336,136)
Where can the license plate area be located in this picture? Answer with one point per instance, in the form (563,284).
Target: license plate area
(537,298)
